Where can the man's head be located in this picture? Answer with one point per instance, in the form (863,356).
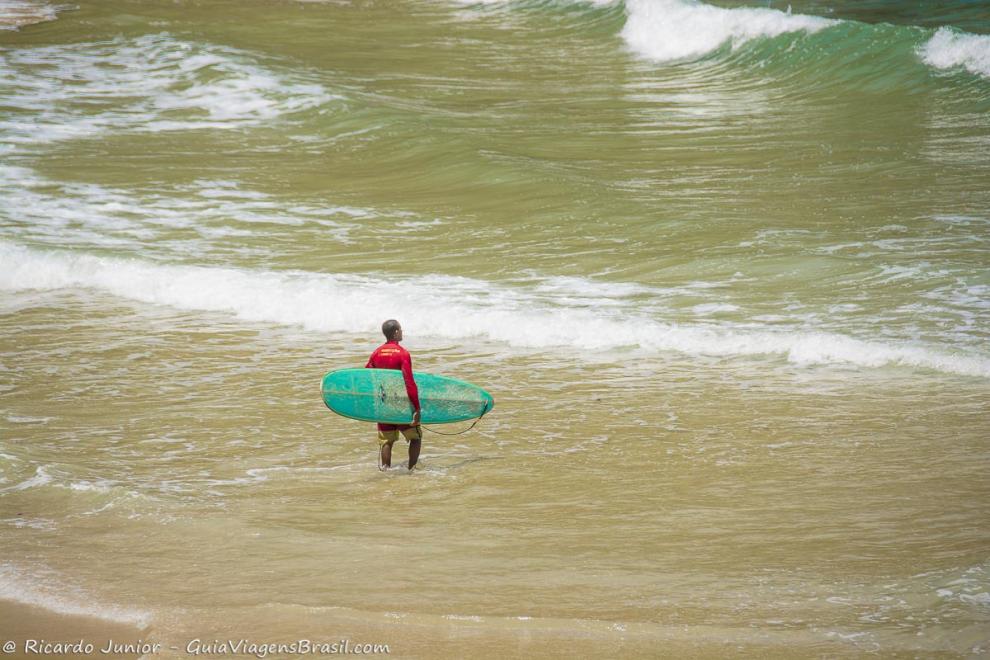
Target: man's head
(392,330)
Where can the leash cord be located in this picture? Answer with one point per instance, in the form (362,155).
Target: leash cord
(459,432)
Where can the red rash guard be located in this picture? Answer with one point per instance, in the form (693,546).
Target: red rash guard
(392,356)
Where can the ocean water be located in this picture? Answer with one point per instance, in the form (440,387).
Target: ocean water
(724,266)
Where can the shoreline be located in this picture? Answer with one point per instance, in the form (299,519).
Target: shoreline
(33,629)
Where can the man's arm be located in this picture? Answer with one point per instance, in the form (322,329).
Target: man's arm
(411,390)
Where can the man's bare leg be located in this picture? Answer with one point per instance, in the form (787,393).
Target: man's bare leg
(414,447)
(385,456)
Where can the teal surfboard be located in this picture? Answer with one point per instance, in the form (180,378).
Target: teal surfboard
(379,395)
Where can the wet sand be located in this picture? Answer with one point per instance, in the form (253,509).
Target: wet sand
(31,627)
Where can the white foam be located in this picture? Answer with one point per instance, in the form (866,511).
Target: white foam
(583,287)
(949,49)
(15,14)
(447,307)
(982,598)
(102,486)
(40,478)
(260,474)
(150,83)
(16,585)
(21,419)
(93,215)
(669,30)
(705,309)
(45,524)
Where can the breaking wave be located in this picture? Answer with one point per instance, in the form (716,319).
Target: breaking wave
(448,307)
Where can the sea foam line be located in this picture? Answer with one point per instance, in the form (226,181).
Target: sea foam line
(16,585)
(72,213)
(150,83)
(446,307)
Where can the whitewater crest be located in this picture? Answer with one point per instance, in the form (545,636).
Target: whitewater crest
(670,30)
(950,49)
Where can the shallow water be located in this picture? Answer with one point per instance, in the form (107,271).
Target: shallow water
(724,269)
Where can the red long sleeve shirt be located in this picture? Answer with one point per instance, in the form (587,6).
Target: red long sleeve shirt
(392,356)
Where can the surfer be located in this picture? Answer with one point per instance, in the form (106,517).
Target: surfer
(392,356)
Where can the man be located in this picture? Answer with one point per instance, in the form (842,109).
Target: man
(392,356)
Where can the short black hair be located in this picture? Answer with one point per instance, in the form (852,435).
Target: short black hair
(389,327)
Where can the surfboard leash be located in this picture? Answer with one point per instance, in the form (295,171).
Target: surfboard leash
(459,432)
